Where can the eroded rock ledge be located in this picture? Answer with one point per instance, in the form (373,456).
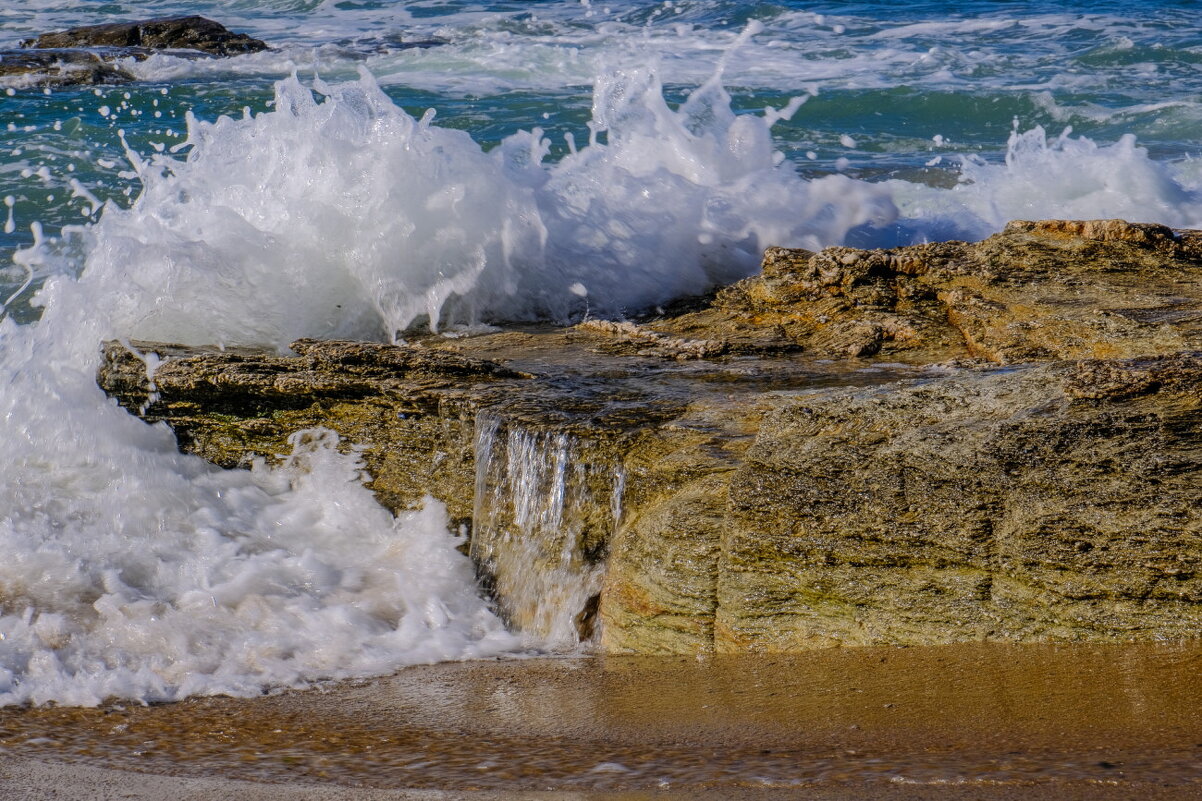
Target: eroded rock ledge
(933,444)
(1038,291)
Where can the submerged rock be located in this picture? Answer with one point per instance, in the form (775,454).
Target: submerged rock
(364,46)
(714,481)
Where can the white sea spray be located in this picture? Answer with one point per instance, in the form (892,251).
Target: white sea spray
(132,570)
(1045,177)
(344,216)
(1075,178)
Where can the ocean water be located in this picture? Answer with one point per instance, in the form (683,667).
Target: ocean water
(544,156)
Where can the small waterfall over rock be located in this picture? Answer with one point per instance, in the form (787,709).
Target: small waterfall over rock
(546,504)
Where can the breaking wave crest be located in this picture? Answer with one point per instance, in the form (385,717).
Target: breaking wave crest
(338,214)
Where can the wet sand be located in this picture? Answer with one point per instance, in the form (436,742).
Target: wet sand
(981,721)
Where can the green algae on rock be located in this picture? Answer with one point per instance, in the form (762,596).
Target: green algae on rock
(1008,446)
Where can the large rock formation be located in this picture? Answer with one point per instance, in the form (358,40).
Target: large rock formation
(1054,502)
(946,442)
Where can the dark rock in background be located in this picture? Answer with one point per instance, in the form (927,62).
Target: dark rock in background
(173,33)
(62,67)
(90,55)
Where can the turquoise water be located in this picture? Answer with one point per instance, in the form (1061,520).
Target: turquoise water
(545,159)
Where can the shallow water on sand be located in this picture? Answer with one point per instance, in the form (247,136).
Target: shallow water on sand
(983,716)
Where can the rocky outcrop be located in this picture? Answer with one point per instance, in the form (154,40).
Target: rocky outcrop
(94,54)
(1037,291)
(410,409)
(170,33)
(60,67)
(763,472)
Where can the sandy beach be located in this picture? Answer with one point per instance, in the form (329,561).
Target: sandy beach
(975,721)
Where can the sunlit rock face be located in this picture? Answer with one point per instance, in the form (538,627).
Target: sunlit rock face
(1029,504)
(1038,291)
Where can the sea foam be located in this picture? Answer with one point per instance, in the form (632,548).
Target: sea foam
(134,571)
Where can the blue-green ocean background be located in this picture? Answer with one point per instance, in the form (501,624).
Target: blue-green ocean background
(910,83)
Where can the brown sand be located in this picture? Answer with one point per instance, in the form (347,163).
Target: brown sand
(981,722)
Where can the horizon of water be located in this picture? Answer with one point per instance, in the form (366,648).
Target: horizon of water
(546,156)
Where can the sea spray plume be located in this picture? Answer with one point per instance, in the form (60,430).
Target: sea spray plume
(134,571)
(1074,178)
(679,200)
(343,216)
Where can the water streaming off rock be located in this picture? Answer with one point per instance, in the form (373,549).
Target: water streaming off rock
(546,502)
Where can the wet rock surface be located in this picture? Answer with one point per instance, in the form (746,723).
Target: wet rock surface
(1008,446)
(412,409)
(62,67)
